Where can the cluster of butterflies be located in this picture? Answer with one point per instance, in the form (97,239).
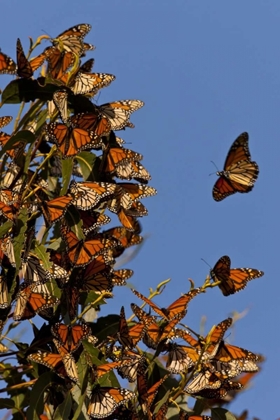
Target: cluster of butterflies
(51,175)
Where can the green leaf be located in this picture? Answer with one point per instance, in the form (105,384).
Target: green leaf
(6,403)
(5,228)
(26,90)
(86,161)
(64,409)
(222,414)
(106,326)
(43,255)
(36,406)
(67,167)
(20,238)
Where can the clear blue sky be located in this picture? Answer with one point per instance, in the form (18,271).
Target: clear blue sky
(207,71)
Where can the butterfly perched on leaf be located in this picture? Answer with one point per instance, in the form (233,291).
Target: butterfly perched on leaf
(118,112)
(239,173)
(70,336)
(232,280)
(104,400)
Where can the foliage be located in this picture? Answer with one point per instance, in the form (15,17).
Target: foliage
(59,174)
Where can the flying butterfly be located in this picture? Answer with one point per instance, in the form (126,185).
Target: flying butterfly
(239,173)
(104,400)
(232,280)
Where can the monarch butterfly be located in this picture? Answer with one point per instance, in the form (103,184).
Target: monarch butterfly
(23,68)
(129,222)
(9,212)
(161,413)
(180,358)
(4,297)
(94,122)
(29,302)
(127,193)
(177,309)
(126,239)
(60,100)
(71,140)
(83,252)
(86,195)
(63,363)
(93,220)
(183,415)
(129,337)
(222,392)
(7,249)
(5,120)
(239,173)
(32,271)
(147,396)
(58,62)
(119,276)
(55,209)
(204,379)
(105,400)
(133,170)
(101,370)
(58,273)
(155,333)
(71,39)
(70,336)
(232,280)
(94,278)
(84,83)
(117,156)
(210,343)
(118,112)
(132,364)
(87,66)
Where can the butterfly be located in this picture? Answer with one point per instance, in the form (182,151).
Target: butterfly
(155,333)
(4,297)
(133,170)
(131,365)
(126,239)
(118,112)
(23,68)
(210,344)
(32,271)
(5,120)
(104,400)
(127,193)
(119,276)
(232,280)
(129,337)
(96,275)
(128,217)
(183,415)
(221,393)
(70,336)
(146,396)
(7,249)
(177,309)
(92,121)
(239,173)
(30,301)
(82,252)
(71,39)
(71,140)
(117,157)
(62,362)
(85,82)
(204,379)
(86,195)
(60,100)
(92,220)
(54,210)
(180,358)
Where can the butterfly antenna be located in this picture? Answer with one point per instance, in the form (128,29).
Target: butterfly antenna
(206,262)
(215,167)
